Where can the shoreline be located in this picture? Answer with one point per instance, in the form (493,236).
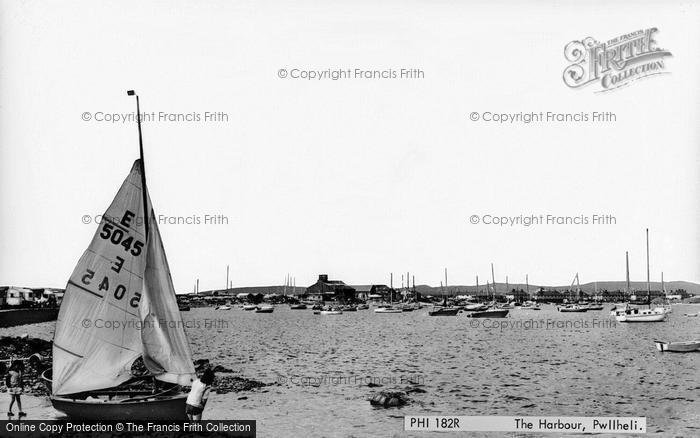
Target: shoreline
(27,348)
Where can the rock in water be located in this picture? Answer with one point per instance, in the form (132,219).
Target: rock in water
(388,399)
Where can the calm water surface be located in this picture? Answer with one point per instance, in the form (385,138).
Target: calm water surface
(583,364)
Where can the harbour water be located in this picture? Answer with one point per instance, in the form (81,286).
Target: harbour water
(538,363)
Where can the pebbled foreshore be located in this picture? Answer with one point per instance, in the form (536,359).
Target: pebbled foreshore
(26,347)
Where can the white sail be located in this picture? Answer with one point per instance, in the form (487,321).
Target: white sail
(98,329)
(166,351)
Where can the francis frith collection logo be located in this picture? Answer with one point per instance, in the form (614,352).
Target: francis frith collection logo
(615,63)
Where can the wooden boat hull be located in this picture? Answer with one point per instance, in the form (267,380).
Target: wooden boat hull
(156,408)
(298,307)
(330,312)
(264,310)
(498,313)
(384,310)
(678,347)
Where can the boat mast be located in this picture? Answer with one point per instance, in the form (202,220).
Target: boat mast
(578,289)
(146,212)
(227,283)
(493,283)
(627,270)
(663,287)
(446,288)
(648,284)
(527,286)
(391,287)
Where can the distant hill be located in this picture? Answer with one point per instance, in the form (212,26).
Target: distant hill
(691,288)
(254,290)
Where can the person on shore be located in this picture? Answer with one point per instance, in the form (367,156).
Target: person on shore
(199,394)
(14,382)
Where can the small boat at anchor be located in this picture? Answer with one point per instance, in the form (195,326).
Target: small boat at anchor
(490,313)
(678,347)
(572,308)
(249,307)
(475,307)
(387,309)
(636,314)
(329,311)
(300,306)
(223,307)
(529,305)
(265,309)
(596,306)
(443,311)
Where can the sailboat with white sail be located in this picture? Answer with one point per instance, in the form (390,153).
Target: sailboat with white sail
(122,276)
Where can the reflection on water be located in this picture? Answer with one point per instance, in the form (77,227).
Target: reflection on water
(457,366)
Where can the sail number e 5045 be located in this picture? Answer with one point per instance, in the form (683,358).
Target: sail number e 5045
(115,234)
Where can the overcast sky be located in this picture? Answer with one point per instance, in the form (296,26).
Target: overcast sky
(354,178)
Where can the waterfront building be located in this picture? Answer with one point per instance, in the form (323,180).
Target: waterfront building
(330,290)
(548,296)
(369,292)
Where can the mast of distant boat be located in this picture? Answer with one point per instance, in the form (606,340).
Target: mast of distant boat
(493,283)
(663,287)
(627,270)
(578,288)
(391,288)
(527,286)
(444,300)
(648,283)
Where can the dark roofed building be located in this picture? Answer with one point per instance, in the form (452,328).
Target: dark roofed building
(372,291)
(331,290)
(518,295)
